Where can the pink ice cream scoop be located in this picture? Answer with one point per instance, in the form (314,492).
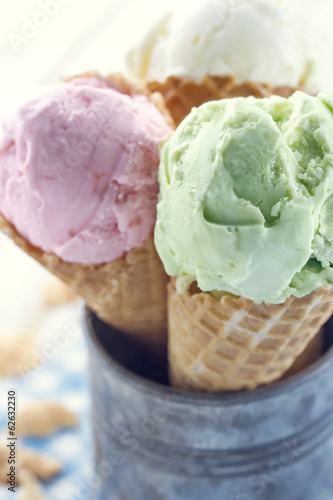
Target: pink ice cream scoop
(78,170)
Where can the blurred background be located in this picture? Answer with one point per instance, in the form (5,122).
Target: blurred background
(42,41)
(73,36)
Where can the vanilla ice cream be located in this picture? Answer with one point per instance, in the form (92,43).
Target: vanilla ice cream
(266,41)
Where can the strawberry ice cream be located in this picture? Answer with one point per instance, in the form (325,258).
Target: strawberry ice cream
(78,170)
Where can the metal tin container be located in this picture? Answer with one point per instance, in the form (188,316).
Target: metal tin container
(156,443)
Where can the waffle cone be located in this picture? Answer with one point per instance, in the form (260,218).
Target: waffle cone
(233,343)
(130,294)
(182,94)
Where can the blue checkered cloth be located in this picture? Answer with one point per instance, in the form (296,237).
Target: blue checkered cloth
(63,379)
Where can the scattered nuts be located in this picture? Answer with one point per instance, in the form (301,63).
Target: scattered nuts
(57,293)
(43,418)
(30,487)
(18,354)
(39,465)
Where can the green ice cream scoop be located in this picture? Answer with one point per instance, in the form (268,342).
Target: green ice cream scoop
(246,201)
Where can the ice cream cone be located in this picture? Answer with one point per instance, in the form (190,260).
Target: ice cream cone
(182,94)
(234,344)
(129,294)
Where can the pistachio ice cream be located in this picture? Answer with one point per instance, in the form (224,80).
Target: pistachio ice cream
(246,201)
